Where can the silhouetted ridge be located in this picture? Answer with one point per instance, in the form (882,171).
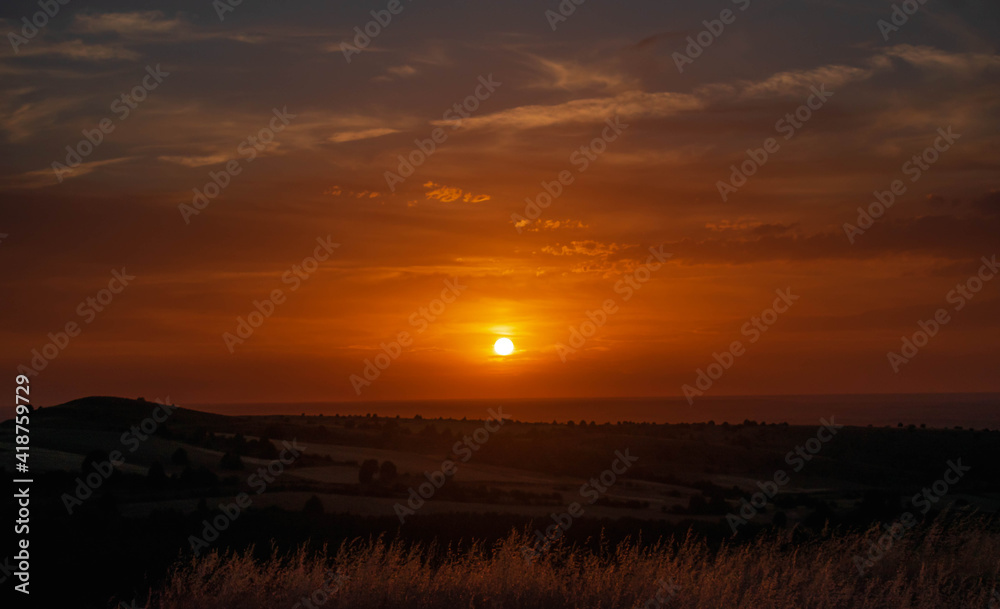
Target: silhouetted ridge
(116,412)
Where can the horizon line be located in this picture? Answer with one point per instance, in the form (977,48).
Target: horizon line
(618,397)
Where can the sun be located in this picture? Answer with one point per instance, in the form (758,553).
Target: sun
(503,346)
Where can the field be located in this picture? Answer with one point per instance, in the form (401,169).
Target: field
(251,511)
(940,567)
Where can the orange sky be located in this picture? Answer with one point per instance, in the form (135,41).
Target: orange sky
(542,95)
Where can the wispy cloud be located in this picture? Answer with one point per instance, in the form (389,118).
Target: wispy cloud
(78,50)
(364,134)
(632,104)
(139,22)
(47,177)
(572,76)
(196,161)
(929,57)
(404,70)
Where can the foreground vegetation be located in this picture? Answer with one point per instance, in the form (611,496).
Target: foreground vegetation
(932,566)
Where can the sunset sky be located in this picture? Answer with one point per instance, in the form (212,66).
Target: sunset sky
(340,125)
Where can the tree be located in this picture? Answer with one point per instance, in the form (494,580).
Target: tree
(156,474)
(313,507)
(231,461)
(387,472)
(94,457)
(180,457)
(199,477)
(780,519)
(239,444)
(367,471)
(697,504)
(263,449)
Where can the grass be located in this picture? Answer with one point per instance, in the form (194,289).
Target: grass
(935,566)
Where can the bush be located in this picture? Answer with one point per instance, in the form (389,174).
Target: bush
(387,472)
(156,475)
(180,457)
(231,461)
(94,457)
(313,507)
(367,471)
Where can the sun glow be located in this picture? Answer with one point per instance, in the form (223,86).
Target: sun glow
(503,346)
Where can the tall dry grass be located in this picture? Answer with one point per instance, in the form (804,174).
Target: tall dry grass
(934,567)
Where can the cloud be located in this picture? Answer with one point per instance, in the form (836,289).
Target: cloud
(47,177)
(337,191)
(571,76)
(585,248)
(795,82)
(634,104)
(605,259)
(404,70)
(448,194)
(139,22)
(540,224)
(929,57)
(196,161)
(23,119)
(639,104)
(741,224)
(364,134)
(78,50)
